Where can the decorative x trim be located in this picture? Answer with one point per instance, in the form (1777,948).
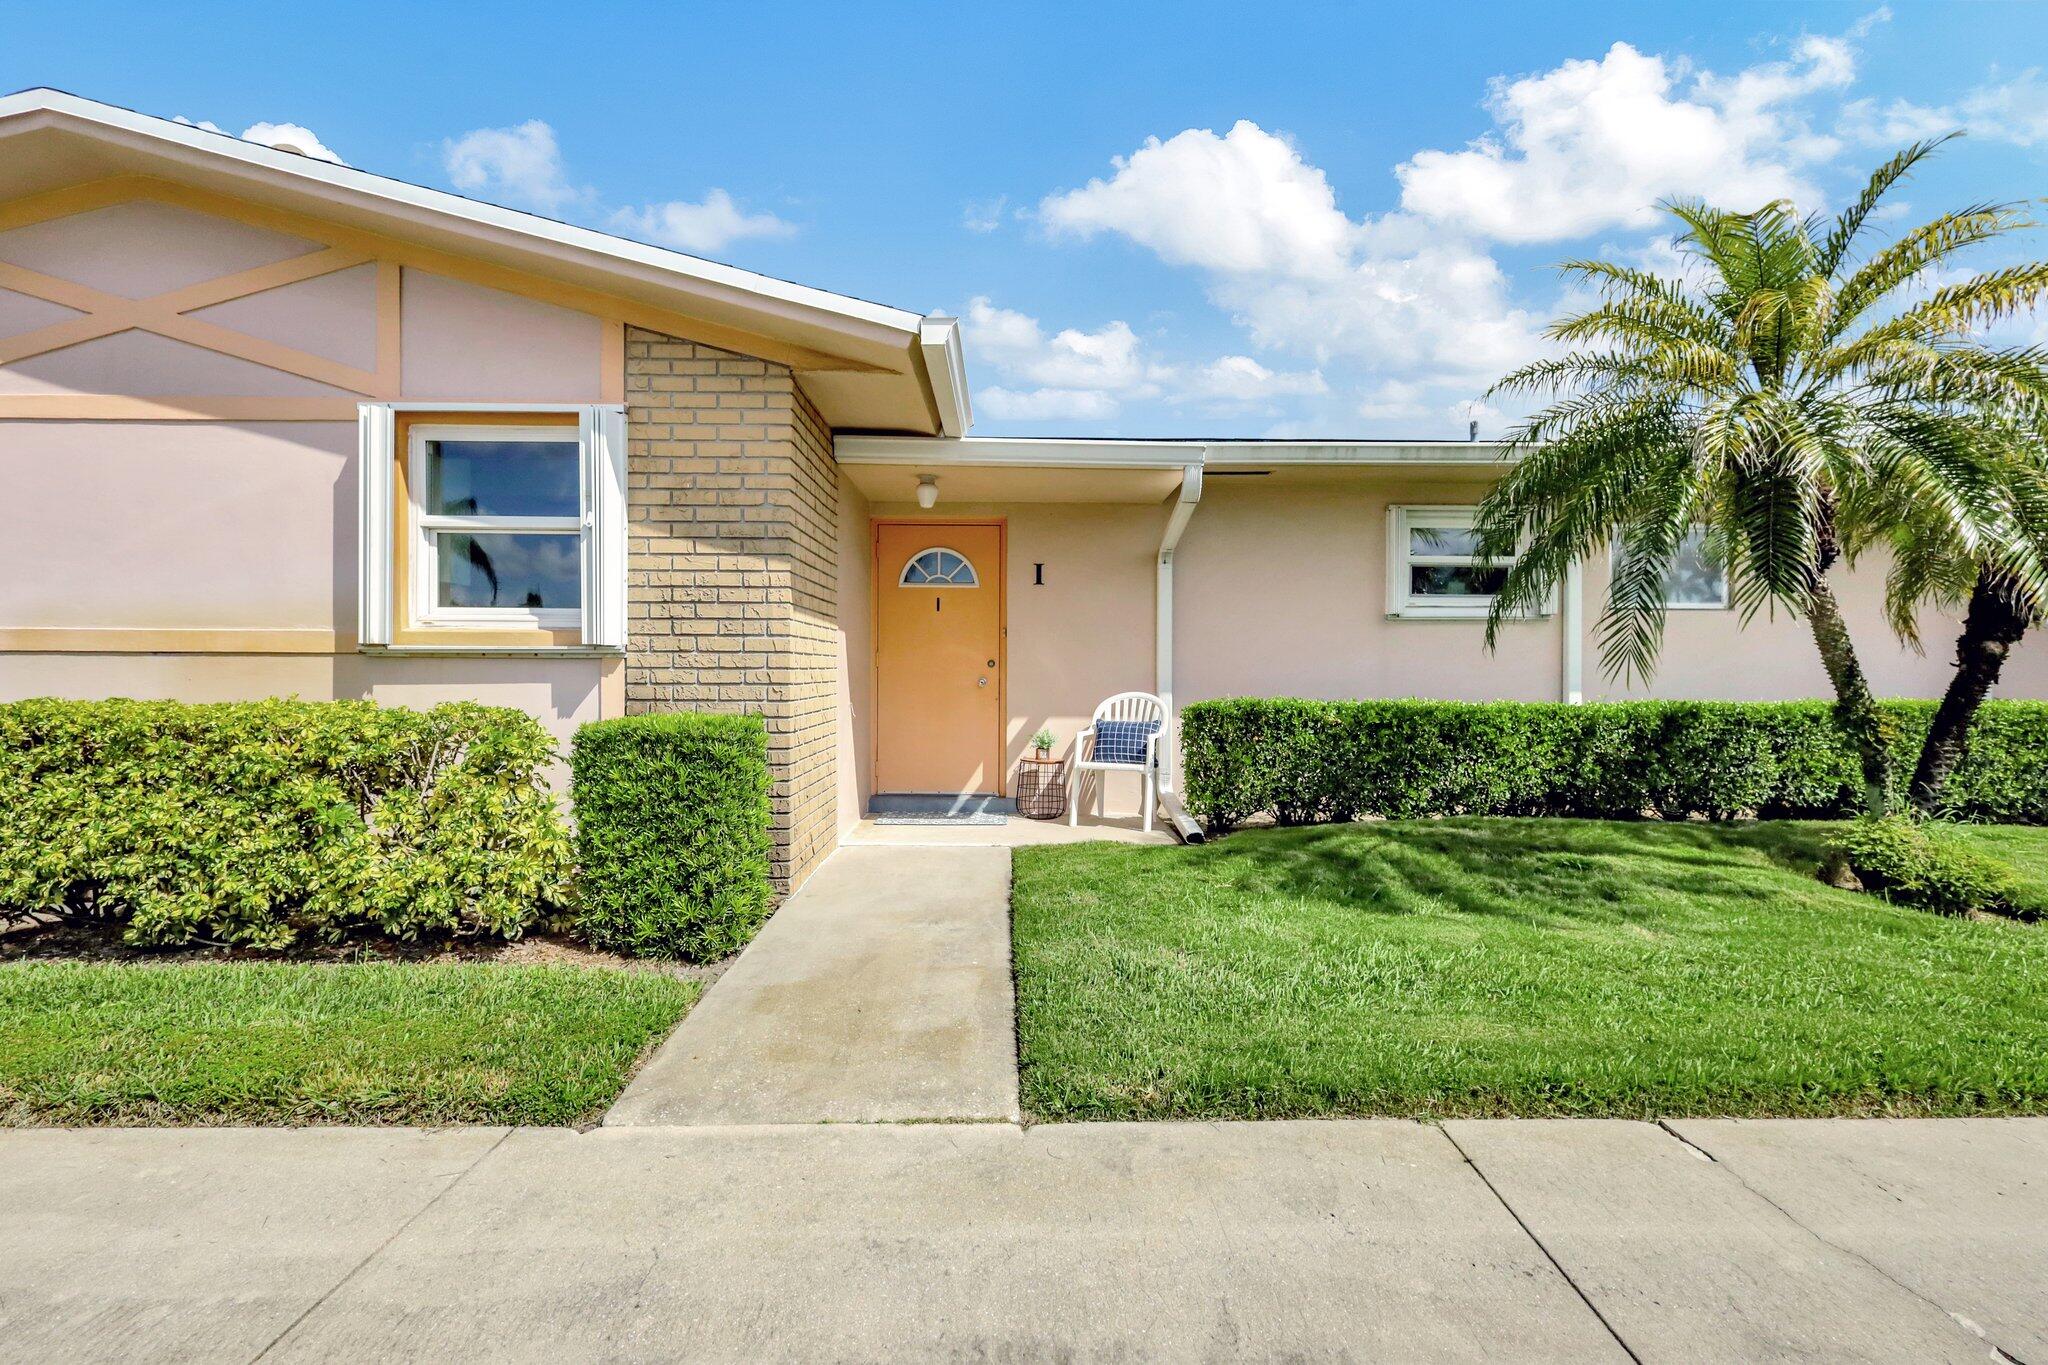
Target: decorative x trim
(164,314)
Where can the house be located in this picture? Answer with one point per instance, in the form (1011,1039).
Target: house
(270,425)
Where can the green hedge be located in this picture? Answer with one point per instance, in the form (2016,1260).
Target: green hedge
(271,823)
(1309,761)
(672,833)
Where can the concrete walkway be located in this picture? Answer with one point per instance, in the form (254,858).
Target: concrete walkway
(879,992)
(1707,1241)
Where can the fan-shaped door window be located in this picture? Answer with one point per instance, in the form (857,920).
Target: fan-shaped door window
(938,567)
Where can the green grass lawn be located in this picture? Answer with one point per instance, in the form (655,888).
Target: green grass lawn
(1537,967)
(270,1043)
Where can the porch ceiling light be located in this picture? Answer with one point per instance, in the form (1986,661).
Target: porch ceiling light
(927,491)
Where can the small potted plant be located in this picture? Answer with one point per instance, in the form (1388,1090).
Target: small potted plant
(1042,741)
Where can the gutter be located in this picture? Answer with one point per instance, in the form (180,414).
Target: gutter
(945,364)
(1162,669)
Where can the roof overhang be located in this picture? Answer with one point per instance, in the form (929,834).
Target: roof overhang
(1055,469)
(867,366)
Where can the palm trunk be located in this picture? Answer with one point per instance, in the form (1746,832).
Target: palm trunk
(1855,707)
(1993,624)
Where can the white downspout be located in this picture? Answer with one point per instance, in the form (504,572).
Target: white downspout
(1162,667)
(1572,683)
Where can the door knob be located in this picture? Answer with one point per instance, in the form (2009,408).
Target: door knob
(981,682)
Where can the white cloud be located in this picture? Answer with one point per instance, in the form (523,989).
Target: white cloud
(704,226)
(1422,401)
(1263,224)
(1018,347)
(286,137)
(1443,307)
(291,137)
(984,215)
(1069,374)
(1073,374)
(1240,379)
(1596,144)
(1045,405)
(1242,203)
(523,166)
(2014,111)
(1411,306)
(520,165)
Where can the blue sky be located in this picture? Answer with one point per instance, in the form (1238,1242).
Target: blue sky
(1167,220)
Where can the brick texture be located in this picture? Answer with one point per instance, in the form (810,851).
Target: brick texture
(733,572)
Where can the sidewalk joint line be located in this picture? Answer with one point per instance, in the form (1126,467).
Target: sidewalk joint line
(1962,1323)
(1530,1233)
(379,1249)
(1695,1148)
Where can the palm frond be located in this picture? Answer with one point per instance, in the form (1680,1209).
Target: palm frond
(1842,237)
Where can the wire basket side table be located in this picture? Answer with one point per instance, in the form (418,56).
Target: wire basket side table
(1041,788)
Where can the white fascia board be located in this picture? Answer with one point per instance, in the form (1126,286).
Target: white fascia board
(1062,453)
(402,195)
(945,361)
(1284,453)
(1021,453)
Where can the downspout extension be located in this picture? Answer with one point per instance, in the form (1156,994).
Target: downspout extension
(1572,648)
(1162,668)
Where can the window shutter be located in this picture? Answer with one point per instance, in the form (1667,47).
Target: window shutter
(604,527)
(377,457)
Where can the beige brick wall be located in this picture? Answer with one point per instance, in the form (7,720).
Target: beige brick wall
(733,572)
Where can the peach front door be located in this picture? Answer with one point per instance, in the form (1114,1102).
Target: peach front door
(938,656)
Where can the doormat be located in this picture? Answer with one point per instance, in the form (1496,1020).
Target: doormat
(905,817)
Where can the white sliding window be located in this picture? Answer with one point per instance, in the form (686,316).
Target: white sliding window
(1433,564)
(498,526)
(507,526)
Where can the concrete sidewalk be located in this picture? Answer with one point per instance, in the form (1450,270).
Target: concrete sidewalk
(880,992)
(1723,1240)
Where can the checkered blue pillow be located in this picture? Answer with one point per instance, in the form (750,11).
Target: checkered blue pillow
(1122,741)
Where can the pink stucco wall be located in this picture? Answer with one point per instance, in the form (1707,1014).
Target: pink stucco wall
(467,343)
(856,650)
(184,525)
(1282,592)
(142,248)
(221,526)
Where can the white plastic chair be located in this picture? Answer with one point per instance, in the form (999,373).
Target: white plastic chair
(1129,706)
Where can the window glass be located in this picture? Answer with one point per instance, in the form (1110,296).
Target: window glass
(476,478)
(1442,561)
(530,572)
(1442,580)
(938,567)
(1427,541)
(1691,579)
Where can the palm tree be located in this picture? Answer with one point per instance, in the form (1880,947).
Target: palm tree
(1760,394)
(1993,581)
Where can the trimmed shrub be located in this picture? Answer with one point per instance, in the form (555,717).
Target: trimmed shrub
(271,823)
(1916,863)
(672,833)
(1306,761)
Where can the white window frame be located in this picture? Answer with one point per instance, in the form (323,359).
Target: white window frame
(1403,604)
(427,528)
(1726,603)
(973,573)
(386,606)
